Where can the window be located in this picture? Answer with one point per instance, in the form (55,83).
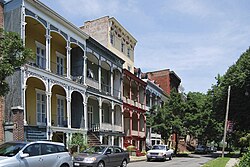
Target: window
(112,39)
(33,150)
(122,47)
(60,110)
(40,55)
(40,107)
(129,68)
(128,54)
(60,63)
(49,149)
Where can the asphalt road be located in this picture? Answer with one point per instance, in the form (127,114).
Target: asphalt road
(194,161)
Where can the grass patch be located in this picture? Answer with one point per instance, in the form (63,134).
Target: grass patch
(218,162)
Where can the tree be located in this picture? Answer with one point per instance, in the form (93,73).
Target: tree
(238,77)
(13,55)
(79,142)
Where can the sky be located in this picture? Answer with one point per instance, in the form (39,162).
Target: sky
(197,39)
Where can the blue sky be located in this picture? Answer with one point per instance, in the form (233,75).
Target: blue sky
(197,39)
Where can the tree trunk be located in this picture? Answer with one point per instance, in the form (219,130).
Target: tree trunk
(176,144)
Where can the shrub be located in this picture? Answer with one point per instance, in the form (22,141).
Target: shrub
(245,160)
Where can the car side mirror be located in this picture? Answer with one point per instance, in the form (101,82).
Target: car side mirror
(24,155)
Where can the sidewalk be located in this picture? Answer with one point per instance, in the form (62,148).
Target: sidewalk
(232,162)
(135,158)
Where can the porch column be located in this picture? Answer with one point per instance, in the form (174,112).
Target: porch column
(120,94)
(113,115)
(68,58)
(131,122)
(100,75)
(24,105)
(47,52)
(68,111)
(112,140)
(144,100)
(68,136)
(101,139)
(138,124)
(100,112)
(84,68)
(23,23)
(85,116)
(145,125)
(111,81)
(48,107)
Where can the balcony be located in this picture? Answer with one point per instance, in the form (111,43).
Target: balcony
(134,133)
(106,126)
(118,128)
(106,89)
(142,134)
(93,83)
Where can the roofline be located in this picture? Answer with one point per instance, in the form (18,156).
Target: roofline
(52,13)
(172,72)
(112,18)
(167,69)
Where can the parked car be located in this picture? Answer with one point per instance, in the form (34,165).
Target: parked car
(211,149)
(102,156)
(34,154)
(160,152)
(201,149)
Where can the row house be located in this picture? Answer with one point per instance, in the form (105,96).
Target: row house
(155,99)
(111,34)
(72,86)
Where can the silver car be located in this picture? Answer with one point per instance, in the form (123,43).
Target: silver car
(34,154)
(102,156)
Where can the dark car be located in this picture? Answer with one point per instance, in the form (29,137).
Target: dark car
(102,155)
(34,154)
(201,149)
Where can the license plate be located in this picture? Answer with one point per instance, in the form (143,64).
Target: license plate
(153,157)
(76,164)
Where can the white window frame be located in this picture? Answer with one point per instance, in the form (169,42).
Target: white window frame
(60,67)
(41,63)
(90,109)
(42,106)
(60,110)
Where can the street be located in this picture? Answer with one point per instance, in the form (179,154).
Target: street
(195,161)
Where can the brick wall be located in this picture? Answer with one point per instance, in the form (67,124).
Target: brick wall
(162,78)
(1,15)
(1,119)
(18,129)
(98,29)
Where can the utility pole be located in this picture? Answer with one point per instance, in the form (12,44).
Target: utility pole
(226,119)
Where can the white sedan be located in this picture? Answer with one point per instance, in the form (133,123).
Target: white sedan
(160,152)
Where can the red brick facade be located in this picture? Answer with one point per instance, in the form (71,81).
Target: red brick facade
(162,78)
(1,15)
(18,129)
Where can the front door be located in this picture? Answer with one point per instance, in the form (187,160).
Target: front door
(90,117)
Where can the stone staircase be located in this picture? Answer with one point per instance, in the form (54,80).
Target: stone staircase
(93,139)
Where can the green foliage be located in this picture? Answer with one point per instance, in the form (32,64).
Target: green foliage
(245,160)
(78,141)
(238,77)
(13,55)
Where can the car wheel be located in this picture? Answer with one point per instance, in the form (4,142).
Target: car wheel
(101,164)
(124,163)
(170,158)
(148,159)
(64,165)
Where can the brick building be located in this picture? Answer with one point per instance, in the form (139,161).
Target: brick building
(166,79)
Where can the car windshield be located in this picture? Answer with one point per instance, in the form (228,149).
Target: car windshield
(10,149)
(95,150)
(158,148)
